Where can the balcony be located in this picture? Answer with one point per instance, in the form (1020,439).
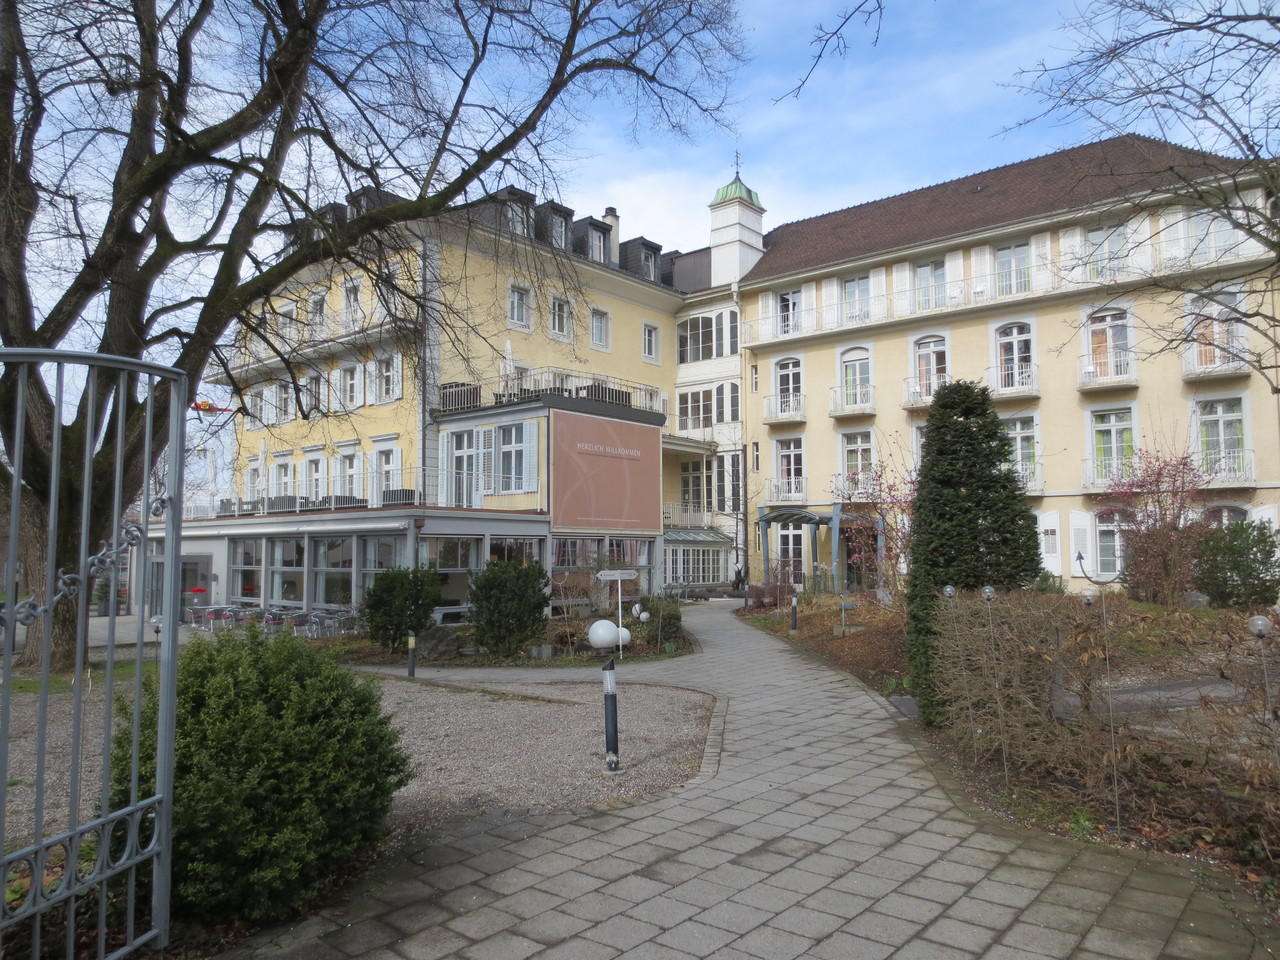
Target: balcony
(861,487)
(1100,472)
(1107,369)
(1071,271)
(548,382)
(1207,361)
(690,428)
(685,514)
(784,408)
(787,490)
(1014,380)
(917,392)
(1030,475)
(371,491)
(853,400)
(1227,468)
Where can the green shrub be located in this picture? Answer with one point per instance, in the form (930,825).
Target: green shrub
(1238,566)
(508,606)
(666,624)
(399,601)
(284,770)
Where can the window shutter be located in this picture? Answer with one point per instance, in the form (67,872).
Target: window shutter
(901,289)
(530,455)
(808,306)
(1070,249)
(982,266)
(371,392)
(335,475)
(953,276)
(1049,520)
(1255,213)
(443,466)
(1174,231)
(878,289)
(337,402)
(767,308)
(830,302)
(397,376)
(1041,262)
(1081,542)
(1138,250)
(1265,514)
(486,467)
(397,469)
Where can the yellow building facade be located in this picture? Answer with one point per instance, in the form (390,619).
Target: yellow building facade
(521,383)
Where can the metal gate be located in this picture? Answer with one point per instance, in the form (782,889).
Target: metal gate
(87,849)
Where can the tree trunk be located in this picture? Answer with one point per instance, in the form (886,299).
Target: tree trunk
(33,548)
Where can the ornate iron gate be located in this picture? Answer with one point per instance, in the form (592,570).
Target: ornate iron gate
(87,853)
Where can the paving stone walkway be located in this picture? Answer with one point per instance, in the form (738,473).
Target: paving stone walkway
(815,829)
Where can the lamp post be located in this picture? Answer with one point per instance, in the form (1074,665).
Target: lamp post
(610,716)
(1260,626)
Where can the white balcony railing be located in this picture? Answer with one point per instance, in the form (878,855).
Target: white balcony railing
(1029,475)
(1100,472)
(549,381)
(1069,271)
(1108,368)
(1207,360)
(853,399)
(685,514)
(784,408)
(1227,467)
(855,487)
(1014,380)
(919,391)
(787,490)
(370,490)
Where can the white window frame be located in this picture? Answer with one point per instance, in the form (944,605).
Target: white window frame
(560,322)
(601,329)
(649,342)
(519,314)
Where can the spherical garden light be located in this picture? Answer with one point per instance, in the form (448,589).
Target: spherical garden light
(603,634)
(948,591)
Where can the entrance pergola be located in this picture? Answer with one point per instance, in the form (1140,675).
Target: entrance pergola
(809,518)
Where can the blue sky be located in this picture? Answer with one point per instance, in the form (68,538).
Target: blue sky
(928,103)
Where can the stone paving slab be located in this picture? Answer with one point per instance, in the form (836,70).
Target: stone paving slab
(815,829)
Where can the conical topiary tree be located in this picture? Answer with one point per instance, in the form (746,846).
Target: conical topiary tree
(970,523)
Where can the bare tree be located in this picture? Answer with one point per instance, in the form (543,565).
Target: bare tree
(828,39)
(157,158)
(1202,74)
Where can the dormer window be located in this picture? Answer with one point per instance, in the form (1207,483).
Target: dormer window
(560,232)
(648,265)
(599,246)
(518,219)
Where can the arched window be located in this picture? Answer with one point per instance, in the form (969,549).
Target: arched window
(931,365)
(855,377)
(1013,349)
(1109,353)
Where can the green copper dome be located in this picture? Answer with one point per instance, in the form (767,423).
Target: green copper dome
(737,190)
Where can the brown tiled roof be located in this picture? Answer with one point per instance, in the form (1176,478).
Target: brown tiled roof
(1078,177)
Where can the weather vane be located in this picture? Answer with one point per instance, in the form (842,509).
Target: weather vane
(737,163)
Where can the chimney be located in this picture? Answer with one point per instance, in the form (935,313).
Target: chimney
(611,218)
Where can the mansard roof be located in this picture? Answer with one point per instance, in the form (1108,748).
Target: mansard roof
(1056,183)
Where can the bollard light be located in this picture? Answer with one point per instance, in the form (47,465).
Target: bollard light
(795,611)
(610,716)
(413,650)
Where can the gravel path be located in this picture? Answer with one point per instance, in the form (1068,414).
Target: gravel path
(537,746)
(482,747)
